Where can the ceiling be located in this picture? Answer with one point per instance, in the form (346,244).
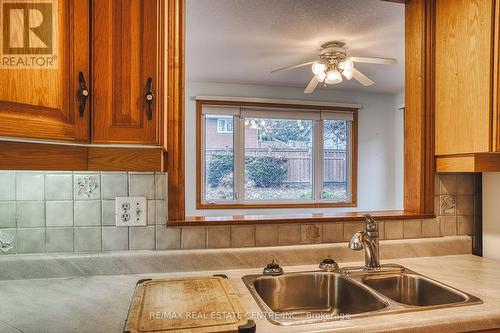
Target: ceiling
(242,41)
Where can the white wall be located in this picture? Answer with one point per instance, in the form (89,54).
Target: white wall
(399,136)
(491,218)
(377,175)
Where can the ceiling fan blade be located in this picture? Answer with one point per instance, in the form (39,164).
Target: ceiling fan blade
(294,66)
(361,78)
(312,85)
(375,60)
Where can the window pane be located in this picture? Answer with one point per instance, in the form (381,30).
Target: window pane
(278,159)
(335,160)
(219,159)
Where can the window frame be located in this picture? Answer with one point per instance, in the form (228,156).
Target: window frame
(317,156)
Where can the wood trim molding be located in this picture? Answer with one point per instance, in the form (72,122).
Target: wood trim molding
(175,110)
(354,169)
(296,218)
(480,162)
(27,156)
(419,107)
(34,156)
(135,159)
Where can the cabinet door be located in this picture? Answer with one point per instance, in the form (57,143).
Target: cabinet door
(125,48)
(463,53)
(43,50)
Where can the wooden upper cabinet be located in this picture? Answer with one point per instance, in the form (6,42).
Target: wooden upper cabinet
(464,70)
(125,56)
(40,63)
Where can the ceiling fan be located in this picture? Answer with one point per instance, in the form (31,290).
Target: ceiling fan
(333,62)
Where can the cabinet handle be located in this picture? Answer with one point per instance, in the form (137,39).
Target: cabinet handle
(149,98)
(83,93)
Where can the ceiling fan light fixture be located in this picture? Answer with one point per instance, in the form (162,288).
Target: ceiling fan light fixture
(347,74)
(347,68)
(333,77)
(318,67)
(321,76)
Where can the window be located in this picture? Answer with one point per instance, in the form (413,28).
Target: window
(276,156)
(224,125)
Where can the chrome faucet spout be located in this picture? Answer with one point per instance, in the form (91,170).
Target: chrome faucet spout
(369,240)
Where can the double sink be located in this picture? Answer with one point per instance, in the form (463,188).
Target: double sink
(318,296)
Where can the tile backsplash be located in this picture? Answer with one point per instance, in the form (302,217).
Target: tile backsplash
(59,212)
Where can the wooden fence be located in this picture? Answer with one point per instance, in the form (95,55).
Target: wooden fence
(299,163)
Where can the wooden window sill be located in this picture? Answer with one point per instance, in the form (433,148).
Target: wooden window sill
(195,221)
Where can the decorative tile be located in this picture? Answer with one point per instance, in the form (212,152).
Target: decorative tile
(430,228)
(59,240)
(87,213)
(412,228)
(87,186)
(333,232)
(108,212)
(11,235)
(393,229)
(310,233)
(218,237)
(448,205)
(59,213)
(142,238)
(7,214)
(30,185)
(266,235)
(30,240)
(88,239)
(142,185)
(193,238)
(167,238)
(161,185)
(30,214)
(243,236)
(161,211)
(448,225)
(58,186)
(289,234)
(114,184)
(115,238)
(8,188)
(351,228)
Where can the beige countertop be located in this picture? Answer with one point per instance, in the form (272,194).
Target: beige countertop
(100,303)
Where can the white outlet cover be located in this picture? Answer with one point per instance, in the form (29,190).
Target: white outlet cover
(131,211)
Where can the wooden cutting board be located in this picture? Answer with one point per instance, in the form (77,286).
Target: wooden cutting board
(187,305)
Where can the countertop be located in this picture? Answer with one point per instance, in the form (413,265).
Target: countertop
(100,304)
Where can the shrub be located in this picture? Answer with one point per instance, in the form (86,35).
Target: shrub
(266,171)
(219,168)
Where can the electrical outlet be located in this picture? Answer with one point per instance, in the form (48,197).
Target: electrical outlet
(131,211)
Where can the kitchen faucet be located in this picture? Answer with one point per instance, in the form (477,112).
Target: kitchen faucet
(368,239)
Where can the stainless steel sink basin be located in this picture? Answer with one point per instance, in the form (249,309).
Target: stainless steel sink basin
(414,290)
(308,297)
(314,295)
